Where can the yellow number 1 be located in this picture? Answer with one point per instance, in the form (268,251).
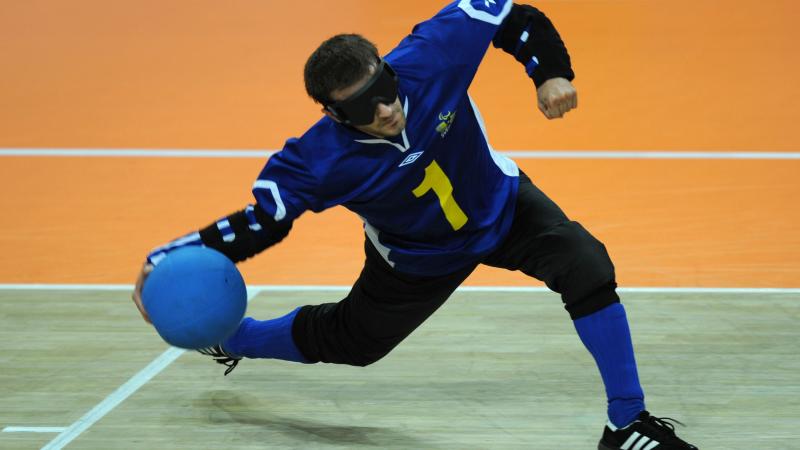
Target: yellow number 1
(436,180)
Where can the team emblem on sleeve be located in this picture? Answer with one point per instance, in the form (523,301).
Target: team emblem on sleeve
(446,121)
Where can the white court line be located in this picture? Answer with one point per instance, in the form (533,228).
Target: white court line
(520,154)
(33,429)
(136,153)
(114,399)
(122,393)
(346,288)
(577,154)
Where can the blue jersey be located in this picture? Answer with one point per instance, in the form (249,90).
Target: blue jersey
(434,199)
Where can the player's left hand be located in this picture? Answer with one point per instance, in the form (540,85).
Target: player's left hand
(556,97)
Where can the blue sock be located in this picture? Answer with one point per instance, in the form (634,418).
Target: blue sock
(265,339)
(606,335)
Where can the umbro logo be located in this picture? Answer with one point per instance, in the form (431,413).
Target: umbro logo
(411,158)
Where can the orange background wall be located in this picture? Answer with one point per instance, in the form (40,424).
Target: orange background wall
(652,75)
(681,75)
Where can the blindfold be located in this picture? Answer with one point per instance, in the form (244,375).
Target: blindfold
(359,108)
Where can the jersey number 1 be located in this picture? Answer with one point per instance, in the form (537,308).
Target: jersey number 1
(436,180)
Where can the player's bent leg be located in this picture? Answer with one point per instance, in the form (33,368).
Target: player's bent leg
(546,245)
(575,264)
(381,310)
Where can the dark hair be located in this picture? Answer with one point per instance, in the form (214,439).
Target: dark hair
(337,63)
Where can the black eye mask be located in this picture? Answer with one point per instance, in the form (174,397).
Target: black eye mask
(359,108)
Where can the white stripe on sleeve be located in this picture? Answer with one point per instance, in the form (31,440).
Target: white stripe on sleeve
(280,209)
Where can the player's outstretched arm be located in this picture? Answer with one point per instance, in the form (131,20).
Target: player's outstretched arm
(238,236)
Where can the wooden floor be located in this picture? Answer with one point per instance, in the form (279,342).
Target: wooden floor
(489,370)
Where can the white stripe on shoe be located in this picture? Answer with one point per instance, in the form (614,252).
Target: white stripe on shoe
(641,442)
(652,445)
(631,439)
(636,441)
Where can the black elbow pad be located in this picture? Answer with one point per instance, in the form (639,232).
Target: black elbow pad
(244,241)
(541,41)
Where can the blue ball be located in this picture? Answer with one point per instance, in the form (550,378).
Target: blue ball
(195,297)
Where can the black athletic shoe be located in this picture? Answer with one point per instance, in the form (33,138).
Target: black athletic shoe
(645,433)
(221,357)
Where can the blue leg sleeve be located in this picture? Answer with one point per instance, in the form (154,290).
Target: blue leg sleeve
(265,339)
(607,336)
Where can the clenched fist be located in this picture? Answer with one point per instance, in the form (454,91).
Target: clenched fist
(556,97)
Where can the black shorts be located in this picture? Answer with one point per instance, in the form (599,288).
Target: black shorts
(385,306)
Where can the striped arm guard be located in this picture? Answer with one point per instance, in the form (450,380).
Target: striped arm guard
(238,236)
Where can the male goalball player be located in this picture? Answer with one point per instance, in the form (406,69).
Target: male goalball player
(402,145)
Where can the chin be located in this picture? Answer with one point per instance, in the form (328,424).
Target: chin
(399,129)
(393,133)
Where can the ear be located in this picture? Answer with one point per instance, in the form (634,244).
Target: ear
(330,114)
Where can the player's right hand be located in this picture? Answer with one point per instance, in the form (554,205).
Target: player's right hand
(137,290)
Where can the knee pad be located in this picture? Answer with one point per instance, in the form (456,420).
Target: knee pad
(582,270)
